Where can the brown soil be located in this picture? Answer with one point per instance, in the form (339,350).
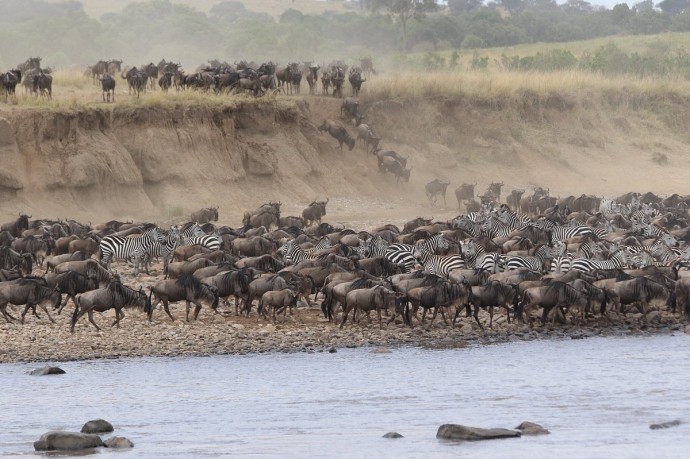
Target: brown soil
(156,163)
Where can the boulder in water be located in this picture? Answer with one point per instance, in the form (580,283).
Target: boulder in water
(118,442)
(58,440)
(665,425)
(47,371)
(460,432)
(97,426)
(531,428)
(392,435)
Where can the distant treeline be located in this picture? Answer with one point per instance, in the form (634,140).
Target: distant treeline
(63,34)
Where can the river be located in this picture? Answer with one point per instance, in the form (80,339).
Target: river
(596,395)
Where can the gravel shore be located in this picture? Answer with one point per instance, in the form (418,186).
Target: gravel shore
(305,331)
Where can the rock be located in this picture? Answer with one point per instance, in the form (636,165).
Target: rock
(480,143)
(460,432)
(530,428)
(118,442)
(653,316)
(332,350)
(687,329)
(380,350)
(665,425)
(97,426)
(47,371)
(392,435)
(58,440)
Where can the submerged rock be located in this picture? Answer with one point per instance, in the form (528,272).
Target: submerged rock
(392,435)
(58,440)
(47,371)
(118,442)
(531,428)
(460,432)
(665,425)
(97,426)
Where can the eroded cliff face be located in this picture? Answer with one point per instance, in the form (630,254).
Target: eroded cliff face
(138,161)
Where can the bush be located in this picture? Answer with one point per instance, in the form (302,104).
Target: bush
(472,41)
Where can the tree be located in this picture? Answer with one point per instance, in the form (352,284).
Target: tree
(673,7)
(404,10)
(457,7)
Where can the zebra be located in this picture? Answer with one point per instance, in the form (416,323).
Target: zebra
(324,243)
(440,265)
(663,254)
(618,260)
(536,262)
(164,249)
(468,225)
(293,253)
(126,248)
(376,247)
(476,257)
(493,228)
(560,232)
(513,219)
(561,264)
(403,254)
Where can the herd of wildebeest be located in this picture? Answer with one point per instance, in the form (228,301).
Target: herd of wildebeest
(219,77)
(576,259)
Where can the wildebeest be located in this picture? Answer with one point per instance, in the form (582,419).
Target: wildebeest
(349,108)
(114,295)
(42,84)
(368,136)
(339,132)
(312,78)
(435,188)
(70,283)
(187,288)
(58,259)
(554,295)
(17,227)
(267,219)
(252,247)
(380,154)
(493,293)
(10,80)
(640,289)
(285,222)
(136,80)
(442,293)
(37,247)
(375,298)
(30,292)
(314,212)
(235,282)
(151,71)
(325,82)
(108,87)
(205,215)
(10,259)
(513,199)
(388,164)
(277,300)
(356,80)
(337,79)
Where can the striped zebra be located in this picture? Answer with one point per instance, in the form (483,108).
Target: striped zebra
(324,243)
(440,265)
(293,253)
(561,232)
(618,260)
(469,226)
(536,262)
(376,247)
(194,235)
(476,257)
(513,219)
(164,249)
(134,248)
(664,254)
(561,264)
(493,228)
(403,254)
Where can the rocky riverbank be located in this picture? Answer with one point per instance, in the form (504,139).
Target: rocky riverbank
(305,331)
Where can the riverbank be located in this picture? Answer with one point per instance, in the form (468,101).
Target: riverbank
(305,331)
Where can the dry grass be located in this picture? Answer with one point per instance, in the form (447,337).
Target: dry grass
(507,85)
